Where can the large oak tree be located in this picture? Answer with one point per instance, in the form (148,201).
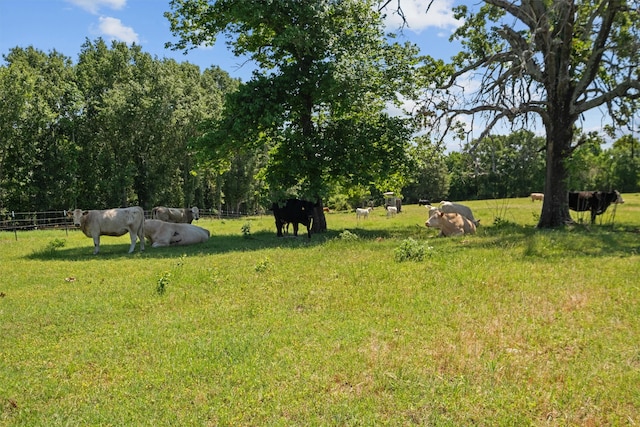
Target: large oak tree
(552,60)
(317,101)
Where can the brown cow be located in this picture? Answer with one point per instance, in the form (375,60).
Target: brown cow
(111,222)
(451,224)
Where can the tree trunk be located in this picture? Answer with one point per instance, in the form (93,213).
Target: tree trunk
(555,207)
(319,220)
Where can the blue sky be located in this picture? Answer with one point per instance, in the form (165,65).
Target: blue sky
(64,25)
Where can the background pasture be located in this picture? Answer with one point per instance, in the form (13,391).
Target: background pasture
(512,326)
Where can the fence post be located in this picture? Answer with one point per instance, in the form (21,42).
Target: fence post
(13,220)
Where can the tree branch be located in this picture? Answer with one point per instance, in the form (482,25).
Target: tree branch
(622,90)
(591,68)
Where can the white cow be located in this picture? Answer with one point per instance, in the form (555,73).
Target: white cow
(537,196)
(111,222)
(362,212)
(451,224)
(391,211)
(184,215)
(449,207)
(161,233)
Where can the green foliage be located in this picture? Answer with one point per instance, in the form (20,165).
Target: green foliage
(348,236)
(246,230)
(592,167)
(339,202)
(163,282)
(317,103)
(429,175)
(56,244)
(112,130)
(52,247)
(262,265)
(411,250)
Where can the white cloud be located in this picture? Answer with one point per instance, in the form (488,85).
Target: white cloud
(114,29)
(94,6)
(418,19)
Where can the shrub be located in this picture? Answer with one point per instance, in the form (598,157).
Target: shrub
(347,235)
(246,230)
(263,265)
(410,250)
(163,281)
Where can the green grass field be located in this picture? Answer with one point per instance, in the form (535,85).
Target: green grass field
(512,326)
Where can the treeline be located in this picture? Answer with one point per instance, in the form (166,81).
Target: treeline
(120,127)
(113,129)
(514,166)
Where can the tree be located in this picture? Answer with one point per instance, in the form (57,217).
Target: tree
(547,59)
(318,100)
(38,103)
(140,117)
(585,165)
(429,176)
(507,165)
(622,165)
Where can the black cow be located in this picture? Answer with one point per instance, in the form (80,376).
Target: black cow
(595,201)
(295,212)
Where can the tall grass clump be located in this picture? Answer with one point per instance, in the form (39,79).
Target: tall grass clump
(163,282)
(51,247)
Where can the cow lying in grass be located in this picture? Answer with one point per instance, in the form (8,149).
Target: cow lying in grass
(161,233)
(178,215)
(450,207)
(451,224)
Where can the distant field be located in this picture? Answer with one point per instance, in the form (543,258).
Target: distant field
(511,326)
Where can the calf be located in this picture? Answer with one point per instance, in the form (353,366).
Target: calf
(161,233)
(111,222)
(362,212)
(451,224)
(537,196)
(295,212)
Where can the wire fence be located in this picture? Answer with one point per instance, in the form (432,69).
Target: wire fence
(22,221)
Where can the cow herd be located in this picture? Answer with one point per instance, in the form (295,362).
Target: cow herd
(168,226)
(172,226)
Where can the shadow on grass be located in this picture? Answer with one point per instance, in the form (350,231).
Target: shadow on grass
(55,249)
(569,241)
(533,243)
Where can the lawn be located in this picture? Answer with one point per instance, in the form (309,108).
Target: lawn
(511,326)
